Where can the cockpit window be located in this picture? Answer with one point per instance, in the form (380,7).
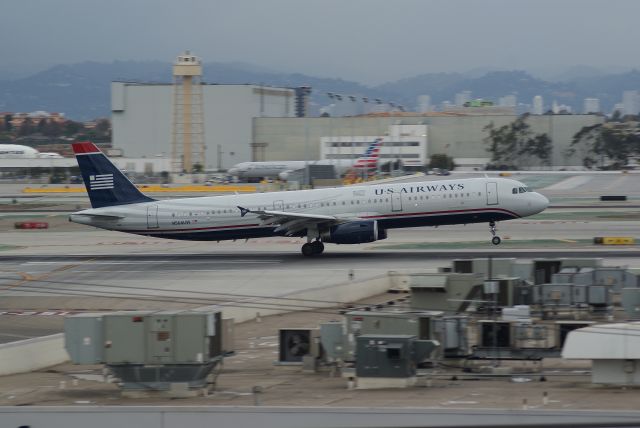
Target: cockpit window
(514,190)
(517,190)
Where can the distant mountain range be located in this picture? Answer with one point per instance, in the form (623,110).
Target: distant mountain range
(82,91)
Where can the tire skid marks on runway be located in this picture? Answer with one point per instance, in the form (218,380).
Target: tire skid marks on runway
(24,277)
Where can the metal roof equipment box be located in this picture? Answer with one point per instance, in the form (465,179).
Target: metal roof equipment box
(613,348)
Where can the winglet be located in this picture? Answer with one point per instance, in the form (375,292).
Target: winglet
(243,211)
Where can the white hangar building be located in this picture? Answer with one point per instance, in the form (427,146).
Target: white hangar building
(142,115)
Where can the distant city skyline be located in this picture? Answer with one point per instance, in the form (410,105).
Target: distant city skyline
(367,41)
(82,90)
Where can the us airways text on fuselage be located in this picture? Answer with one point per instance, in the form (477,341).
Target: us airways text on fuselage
(422,189)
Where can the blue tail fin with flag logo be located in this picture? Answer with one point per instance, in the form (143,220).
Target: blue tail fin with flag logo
(105,183)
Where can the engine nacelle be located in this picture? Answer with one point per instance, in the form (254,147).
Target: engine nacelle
(284,175)
(354,232)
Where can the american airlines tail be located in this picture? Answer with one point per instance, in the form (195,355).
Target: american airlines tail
(106,184)
(369,159)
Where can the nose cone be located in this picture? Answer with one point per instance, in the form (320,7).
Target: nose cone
(540,203)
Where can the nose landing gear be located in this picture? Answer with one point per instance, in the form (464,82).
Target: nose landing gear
(496,239)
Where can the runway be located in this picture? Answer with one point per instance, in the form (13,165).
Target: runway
(254,271)
(289,260)
(42,281)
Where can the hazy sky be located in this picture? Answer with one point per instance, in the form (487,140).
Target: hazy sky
(369,41)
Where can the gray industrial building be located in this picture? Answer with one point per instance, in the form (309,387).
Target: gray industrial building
(459,136)
(251,122)
(141,115)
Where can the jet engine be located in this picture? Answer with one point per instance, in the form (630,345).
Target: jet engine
(354,232)
(284,175)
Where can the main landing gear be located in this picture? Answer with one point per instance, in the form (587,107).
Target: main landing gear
(312,248)
(496,239)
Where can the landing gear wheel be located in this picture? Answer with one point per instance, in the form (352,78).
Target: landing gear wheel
(318,247)
(492,227)
(308,250)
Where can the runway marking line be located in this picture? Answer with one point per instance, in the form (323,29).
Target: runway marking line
(30,278)
(25,278)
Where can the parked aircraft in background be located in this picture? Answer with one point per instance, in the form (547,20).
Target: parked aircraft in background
(49,155)
(342,215)
(15,151)
(283,169)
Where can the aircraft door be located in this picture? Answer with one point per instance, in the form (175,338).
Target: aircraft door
(396,202)
(278,205)
(492,193)
(152,217)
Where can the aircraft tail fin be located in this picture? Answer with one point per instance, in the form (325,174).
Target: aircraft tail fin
(106,184)
(369,158)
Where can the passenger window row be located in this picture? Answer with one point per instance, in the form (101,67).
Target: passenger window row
(515,190)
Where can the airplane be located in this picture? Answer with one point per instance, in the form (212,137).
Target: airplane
(11,151)
(15,151)
(283,169)
(50,155)
(342,215)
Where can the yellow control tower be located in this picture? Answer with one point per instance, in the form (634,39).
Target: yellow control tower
(187,139)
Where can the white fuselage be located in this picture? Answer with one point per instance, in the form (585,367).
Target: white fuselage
(432,203)
(15,151)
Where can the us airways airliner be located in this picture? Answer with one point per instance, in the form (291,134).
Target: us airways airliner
(344,215)
(283,169)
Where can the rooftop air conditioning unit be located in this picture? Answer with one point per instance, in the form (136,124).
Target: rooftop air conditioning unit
(296,343)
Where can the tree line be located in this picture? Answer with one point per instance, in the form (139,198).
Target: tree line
(54,129)
(515,145)
(610,145)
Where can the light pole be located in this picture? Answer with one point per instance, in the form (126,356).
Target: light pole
(219,156)
(353,119)
(335,159)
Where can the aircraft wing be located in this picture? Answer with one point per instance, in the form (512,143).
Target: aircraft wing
(289,222)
